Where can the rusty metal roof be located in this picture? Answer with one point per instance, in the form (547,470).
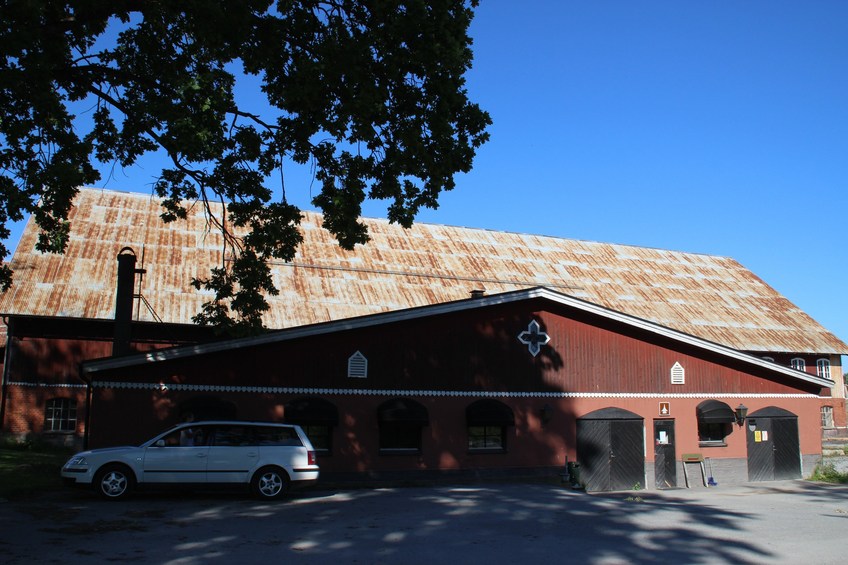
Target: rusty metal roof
(710,297)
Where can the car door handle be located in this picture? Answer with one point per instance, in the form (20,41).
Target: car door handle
(201,455)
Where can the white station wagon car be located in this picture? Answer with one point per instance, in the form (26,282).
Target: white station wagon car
(267,457)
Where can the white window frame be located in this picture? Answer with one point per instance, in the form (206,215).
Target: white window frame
(823,368)
(827,416)
(798,364)
(60,415)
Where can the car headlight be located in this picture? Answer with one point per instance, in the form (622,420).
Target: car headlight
(76,460)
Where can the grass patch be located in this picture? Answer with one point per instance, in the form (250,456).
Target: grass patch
(827,473)
(27,469)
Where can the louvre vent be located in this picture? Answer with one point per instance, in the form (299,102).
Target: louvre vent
(678,374)
(357,366)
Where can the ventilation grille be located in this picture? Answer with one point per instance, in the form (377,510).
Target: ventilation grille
(678,374)
(357,366)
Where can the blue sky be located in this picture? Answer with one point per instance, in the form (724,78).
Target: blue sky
(708,127)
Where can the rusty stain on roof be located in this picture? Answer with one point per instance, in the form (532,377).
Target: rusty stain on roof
(711,297)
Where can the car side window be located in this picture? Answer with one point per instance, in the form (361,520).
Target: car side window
(273,435)
(232,436)
(172,439)
(186,437)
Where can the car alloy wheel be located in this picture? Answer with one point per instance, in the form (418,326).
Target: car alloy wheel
(114,482)
(270,482)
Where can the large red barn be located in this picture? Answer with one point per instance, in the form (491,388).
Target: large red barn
(512,384)
(629,339)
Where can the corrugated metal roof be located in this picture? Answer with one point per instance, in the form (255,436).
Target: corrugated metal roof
(711,297)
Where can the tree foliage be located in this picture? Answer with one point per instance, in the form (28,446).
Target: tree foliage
(370,93)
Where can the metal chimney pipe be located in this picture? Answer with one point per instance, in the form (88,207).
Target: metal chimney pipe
(124,301)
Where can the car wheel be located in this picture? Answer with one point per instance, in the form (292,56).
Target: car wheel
(270,483)
(114,482)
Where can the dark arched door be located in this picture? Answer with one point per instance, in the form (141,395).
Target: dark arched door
(774,449)
(611,450)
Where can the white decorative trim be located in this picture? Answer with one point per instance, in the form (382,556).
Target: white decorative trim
(45,385)
(436,393)
(534,338)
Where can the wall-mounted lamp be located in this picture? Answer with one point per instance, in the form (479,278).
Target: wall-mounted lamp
(741,414)
(546,413)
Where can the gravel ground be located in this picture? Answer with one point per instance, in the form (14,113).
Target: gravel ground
(779,522)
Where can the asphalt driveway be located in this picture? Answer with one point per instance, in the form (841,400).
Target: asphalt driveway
(781,522)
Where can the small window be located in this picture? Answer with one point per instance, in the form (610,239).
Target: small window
(317,417)
(319,436)
(823,368)
(712,433)
(400,436)
(60,415)
(487,437)
(827,416)
(487,421)
(401,422)
(715,422)
(798,364)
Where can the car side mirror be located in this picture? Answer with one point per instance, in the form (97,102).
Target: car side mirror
(160,443)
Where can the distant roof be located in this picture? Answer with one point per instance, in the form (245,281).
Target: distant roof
(713,298)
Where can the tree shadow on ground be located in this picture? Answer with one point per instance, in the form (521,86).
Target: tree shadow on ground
(482,522)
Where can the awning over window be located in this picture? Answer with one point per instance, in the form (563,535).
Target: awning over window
(402,410)
(488,412)
(312,410)
(715,412)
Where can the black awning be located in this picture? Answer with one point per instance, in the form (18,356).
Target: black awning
(488,412)
(312,410)
(402,410)
(715,412)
